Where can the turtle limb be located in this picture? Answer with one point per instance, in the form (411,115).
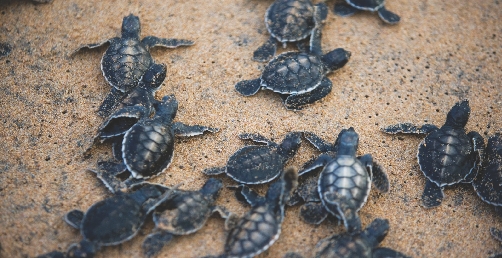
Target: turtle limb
(384,252)
(479,146)
(266,51)
(297,101)
(117,147)
(496,233)
(93,45)
(181,129)
(344,10)
(346,210)
(74,218)
(152,41)
(321,161)
(154,243)
(409,128)
(315,41)
(433,195)
(248,87)
(320,13)
(313,213)
(214,171)
(256,137)
(318,142)
(121,121)
(246,194)
(377,174)
(388,16)
(53,254)
(85,248)
(111,101)
(108,171)
(303,46)
(227,215)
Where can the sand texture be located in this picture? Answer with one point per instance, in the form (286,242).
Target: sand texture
(440,53)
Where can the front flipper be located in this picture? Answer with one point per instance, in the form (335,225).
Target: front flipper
(298,101)
(346,210)
(321,161)
(256,137)
(384,252)
(121,121)
(181,129)
(248,87)
(313,213)
(108,173)
(85,248)
(433,195)
(246,194)
(478,144)
(266,51)
(378,176)
(388,16)
(409,128)
(152,41)
(74,218)
(154,243)
(91,46)
(344,10)
(111,101)
(53,254)
(318,142)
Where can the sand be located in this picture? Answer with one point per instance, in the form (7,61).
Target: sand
(440,53)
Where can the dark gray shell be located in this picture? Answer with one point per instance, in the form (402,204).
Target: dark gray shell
(124,62)
(148,148)
(488,183)
(446,156)
(368,5)
(290,20)
(255,164)
(347,176)
(293,72)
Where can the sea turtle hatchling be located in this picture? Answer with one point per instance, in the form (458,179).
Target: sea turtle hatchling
(184,214)
(259,164)
(290,21)
(147,148)
(345,180)
(361,244)
(447,155)
(497,234)
(488,182)
(116,219)
(259,228)
(299,77)
(352,6)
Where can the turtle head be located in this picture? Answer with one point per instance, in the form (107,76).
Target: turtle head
(131,27)
(376,231)
(212,187)
(336,59)
(290,145)
(154,77)
(167,108)
(459,114)
(347,141)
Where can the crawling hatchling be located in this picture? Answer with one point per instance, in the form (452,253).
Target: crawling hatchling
(448,155)
(259,228)
(351,7)
(258,164)
(361,244)
(184,214)
(147,148)
(488,183)
(290,21)
(128,58)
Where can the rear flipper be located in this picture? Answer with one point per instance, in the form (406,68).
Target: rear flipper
(313,213)
(154,243)
(53,254)
(298,101)
(346,210)
(478,143)
(344,10)
(248,87)
(433,195)
(83,249)
(383,252)
(152,41)
(266,51)
(181,129)
(388,16)
(214,171)
(409,128)
(74,218)
(496,233)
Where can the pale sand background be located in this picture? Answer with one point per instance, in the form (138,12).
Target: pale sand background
(441,52)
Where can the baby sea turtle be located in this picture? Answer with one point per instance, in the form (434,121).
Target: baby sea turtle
(345,181)
(497,234)
(299,77)
(184,214)
(353,6)
(127,58)
(261,226)
(259,164)
(488,183)
(147,147)
(447,155)
(361,244)
(116,219)
(289,21)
